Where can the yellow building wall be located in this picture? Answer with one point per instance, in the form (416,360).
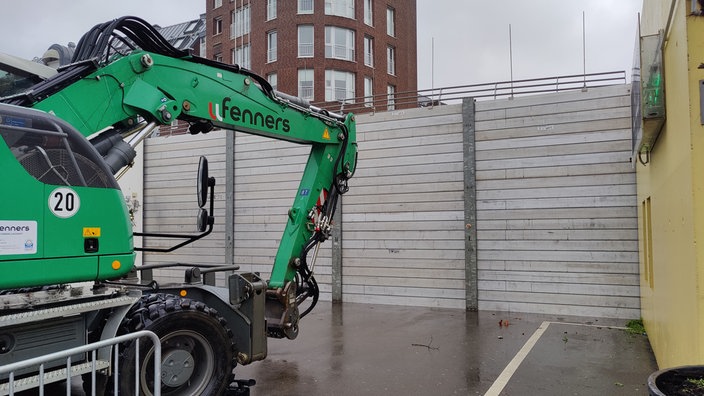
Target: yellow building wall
(673,182)
(695,30)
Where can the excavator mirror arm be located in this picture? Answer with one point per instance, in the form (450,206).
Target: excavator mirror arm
(205,218)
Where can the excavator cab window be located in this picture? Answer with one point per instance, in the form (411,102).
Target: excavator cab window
(12,83)
(18,75)
(52,151)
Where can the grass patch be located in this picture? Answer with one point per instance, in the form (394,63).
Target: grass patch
(635,326)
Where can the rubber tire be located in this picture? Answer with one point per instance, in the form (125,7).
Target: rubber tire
(177,319)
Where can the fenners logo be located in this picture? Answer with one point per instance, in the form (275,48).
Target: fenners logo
(13,228)
(220,112)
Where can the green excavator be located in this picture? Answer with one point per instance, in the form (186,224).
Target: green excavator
(63,218)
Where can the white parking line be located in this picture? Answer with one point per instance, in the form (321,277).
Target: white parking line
(501,381)
(511,368)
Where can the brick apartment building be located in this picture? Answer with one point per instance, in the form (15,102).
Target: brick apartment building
(347,55)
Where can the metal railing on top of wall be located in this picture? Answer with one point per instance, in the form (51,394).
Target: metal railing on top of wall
(494,90)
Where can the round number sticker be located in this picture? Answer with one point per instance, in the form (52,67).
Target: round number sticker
(64,202)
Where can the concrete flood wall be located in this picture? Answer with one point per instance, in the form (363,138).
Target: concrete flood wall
(557,223)
(403,218)
(524,205)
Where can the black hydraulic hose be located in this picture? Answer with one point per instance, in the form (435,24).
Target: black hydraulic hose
(95,46)
(312,284)
(97,42)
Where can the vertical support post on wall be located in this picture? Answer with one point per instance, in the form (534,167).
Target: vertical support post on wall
(229,202)
(470,205)
(337,253)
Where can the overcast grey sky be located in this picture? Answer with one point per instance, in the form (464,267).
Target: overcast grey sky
(471,40)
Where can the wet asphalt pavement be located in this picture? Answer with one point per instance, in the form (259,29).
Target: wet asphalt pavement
(360,349)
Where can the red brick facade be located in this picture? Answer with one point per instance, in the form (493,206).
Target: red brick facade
(287,63)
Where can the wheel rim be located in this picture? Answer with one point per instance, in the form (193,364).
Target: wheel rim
(176,368)
(187,364)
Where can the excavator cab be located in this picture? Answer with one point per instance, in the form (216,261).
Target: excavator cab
(49,169)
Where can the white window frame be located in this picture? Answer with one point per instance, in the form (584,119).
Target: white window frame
(339,43)
(305,6)
(342,8)
(203,46)
(390,97)
(306,84)
(270,10)
(306,49)
(272,46)
(391,22)
(241,22)
(369,51)
(369,12)
(273,80)
(217,3)
(391,60)
(368,92)
(242,56)
(217,26)
(337,92)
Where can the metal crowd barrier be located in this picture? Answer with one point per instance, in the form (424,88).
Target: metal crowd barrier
(93,365)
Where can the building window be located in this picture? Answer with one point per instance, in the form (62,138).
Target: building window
(343,8)
(305,41)
(368,92)
(305,84)
(391,22)
(179,42)
(218,57)
(240,56)
(339,43)
(391,60)
(270,10)
(368,51)
(273,80)
(240,22)
(191,27)
(217,26)
(339,86)
(217,3)
(271,42)
(390,97)
(368,12)
(305,6)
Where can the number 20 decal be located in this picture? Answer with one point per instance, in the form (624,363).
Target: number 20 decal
(64,202)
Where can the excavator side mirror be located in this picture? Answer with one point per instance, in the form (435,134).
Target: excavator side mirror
(202,220)
(202,183)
